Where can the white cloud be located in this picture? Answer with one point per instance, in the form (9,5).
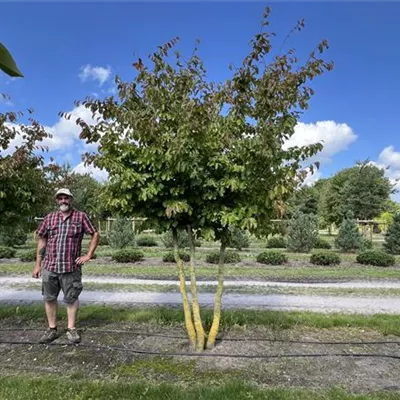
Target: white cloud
(335,137)
(65,132)
(389,160)
(97,173)
(312,178)
(99,74)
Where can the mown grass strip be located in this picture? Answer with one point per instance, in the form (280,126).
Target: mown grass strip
(22,388)
(168,271)
(95,314)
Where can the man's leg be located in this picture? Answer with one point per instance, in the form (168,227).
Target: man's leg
(72,287)
(50,290)
(72,311)
(51,312)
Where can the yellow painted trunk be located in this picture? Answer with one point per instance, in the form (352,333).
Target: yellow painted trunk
(182,287)
(198,324)
(217,302)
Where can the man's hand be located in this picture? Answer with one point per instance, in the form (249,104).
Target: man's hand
(36,271)
(81,260)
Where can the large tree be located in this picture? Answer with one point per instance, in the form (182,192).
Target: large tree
(363,189)
(23,187)
(192,154)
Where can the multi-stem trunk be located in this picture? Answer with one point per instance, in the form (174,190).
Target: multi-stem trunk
(195,300)
(182,287)
(218,298)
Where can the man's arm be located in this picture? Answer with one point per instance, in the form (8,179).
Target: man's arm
(39,253)
(92,247)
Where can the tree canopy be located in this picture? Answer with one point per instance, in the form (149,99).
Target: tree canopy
(193,154)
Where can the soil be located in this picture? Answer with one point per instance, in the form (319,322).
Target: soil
(99,361)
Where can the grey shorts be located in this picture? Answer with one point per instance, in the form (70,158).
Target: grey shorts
(70,283)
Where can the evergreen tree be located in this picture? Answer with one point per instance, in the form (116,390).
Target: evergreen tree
(392,238)
(349,238)
(302,232)
(121,234)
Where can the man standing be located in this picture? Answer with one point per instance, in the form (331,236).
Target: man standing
(60,238)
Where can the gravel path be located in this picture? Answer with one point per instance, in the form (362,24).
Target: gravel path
(373,284)
(361,305)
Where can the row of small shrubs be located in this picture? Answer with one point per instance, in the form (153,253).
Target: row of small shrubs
(367,257)
(278,258)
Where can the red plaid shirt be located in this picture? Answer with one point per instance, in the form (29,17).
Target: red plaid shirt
(64,239)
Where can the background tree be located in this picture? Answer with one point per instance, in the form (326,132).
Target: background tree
(23,187)
(302,232)
(392,238)
(305,200)
(349,238)
(194,155)
(363,189)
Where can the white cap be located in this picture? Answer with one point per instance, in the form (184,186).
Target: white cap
(64,191)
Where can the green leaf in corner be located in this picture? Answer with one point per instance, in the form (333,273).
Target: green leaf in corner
(7,63)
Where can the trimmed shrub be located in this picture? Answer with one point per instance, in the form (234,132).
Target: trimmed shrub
(302,232)
(183,241)
(325,258)
(366,244)
(322,244)
(128,255)
(239,238)
(272,258)
(231,257)
(349,238)
(146,241)
(12,236)
(392,237)
(28,255)
(103,241)
(121,234)
(169,257)
(377,258)
(7,252)
(276,242)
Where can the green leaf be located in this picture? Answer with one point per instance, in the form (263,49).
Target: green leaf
(7,63)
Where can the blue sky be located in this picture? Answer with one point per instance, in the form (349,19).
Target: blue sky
(67,50)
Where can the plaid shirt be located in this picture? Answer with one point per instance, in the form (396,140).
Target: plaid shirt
(64,239)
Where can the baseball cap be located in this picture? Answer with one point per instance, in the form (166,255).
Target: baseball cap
(64,191)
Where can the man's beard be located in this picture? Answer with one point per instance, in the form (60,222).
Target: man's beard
(64,207)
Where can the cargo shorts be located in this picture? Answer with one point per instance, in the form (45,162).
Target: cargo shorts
(70,283)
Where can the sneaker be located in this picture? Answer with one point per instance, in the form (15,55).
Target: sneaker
(73,335)
(49,336)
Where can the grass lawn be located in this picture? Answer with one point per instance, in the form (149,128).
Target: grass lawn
(383,323)
(209,271)
(25,388)
(33,371)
